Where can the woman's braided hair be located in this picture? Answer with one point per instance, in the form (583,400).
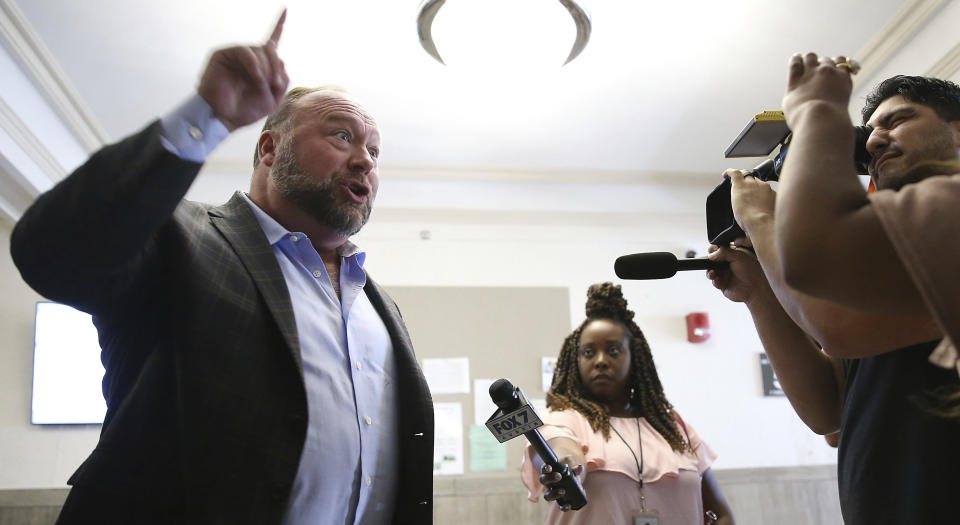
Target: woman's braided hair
(605,301)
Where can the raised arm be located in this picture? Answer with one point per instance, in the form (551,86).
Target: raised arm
(793,326)
(812,380)
(841,330)
(828,237)
(87,239)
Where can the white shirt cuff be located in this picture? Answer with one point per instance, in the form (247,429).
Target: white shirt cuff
(191,131)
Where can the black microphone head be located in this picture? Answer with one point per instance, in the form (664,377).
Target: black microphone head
(503,394)
(651,265)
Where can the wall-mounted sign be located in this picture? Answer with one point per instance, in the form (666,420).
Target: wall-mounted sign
(771,385)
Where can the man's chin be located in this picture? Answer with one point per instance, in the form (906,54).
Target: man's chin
(346,230)
(343,220)
(897,179)
(348,227)
(889,179)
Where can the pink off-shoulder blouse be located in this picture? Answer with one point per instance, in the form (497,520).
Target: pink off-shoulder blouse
(671,481)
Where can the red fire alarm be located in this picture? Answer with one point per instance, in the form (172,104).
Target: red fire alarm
(698,327)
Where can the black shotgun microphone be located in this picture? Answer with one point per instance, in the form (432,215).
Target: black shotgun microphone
(659,265)
(516,416)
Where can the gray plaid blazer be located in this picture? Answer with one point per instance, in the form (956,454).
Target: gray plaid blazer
(206,405)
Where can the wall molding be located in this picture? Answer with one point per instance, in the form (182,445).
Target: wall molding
(34,148)
(513,174)
(14,199)
(527,218)
(53,497)
(758,496)
(51,81)
(947,66)
(909,20)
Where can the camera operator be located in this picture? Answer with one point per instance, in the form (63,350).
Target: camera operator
(849,361)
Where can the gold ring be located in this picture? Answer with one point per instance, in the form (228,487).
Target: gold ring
(852,66)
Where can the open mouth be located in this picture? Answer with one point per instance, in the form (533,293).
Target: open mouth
(357,190)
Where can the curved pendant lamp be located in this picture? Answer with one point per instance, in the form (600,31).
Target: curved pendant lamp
(429,9)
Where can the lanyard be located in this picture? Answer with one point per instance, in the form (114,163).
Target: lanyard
(639,462)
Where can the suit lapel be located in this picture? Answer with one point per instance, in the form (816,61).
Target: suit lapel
(416,416)
(239,226)
(415,401)
(388,311)
(413,391)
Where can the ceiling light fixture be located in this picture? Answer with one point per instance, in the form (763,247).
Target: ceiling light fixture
(429,9)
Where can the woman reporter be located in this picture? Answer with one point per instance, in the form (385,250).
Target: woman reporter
(610,421)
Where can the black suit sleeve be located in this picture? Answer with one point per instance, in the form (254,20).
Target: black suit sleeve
(86,239)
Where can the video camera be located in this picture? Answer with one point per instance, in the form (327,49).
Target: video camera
(764,133)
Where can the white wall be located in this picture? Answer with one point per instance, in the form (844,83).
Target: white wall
(570,239)
(31,456)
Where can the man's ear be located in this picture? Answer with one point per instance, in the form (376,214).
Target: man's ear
(267,147)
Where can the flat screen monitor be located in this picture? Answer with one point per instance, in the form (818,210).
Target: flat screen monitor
(67,373)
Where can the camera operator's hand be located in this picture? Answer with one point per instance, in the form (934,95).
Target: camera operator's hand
(752,199)
(813,82)
(743,281)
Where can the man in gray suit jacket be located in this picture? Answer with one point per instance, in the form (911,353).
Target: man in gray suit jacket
(254,373)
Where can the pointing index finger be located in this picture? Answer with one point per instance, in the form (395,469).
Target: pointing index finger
(278,29)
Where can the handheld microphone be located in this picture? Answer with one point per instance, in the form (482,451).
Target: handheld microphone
(516,416)
(660,265)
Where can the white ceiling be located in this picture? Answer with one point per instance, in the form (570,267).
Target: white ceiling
(662,87)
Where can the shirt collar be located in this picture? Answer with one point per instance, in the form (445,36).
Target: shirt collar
(275,232)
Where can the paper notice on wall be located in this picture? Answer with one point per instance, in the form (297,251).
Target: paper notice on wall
(547,365)
(448,376)
(483,406)
(448,438)
(486,453)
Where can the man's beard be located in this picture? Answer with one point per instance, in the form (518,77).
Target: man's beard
(318,199)
(920,165)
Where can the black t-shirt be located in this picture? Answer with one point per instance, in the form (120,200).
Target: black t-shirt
(897,463)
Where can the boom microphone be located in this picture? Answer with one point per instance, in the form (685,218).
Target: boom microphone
(659,265)
(515,416)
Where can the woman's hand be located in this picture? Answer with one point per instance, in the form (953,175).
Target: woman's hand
(548,478)
(573,456)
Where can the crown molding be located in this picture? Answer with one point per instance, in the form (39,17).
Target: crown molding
(544,175)
(947,66)
(521,174)
(548,218)
(38,64)
(14,197)
(909,20)
(24,138)
(27,168)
